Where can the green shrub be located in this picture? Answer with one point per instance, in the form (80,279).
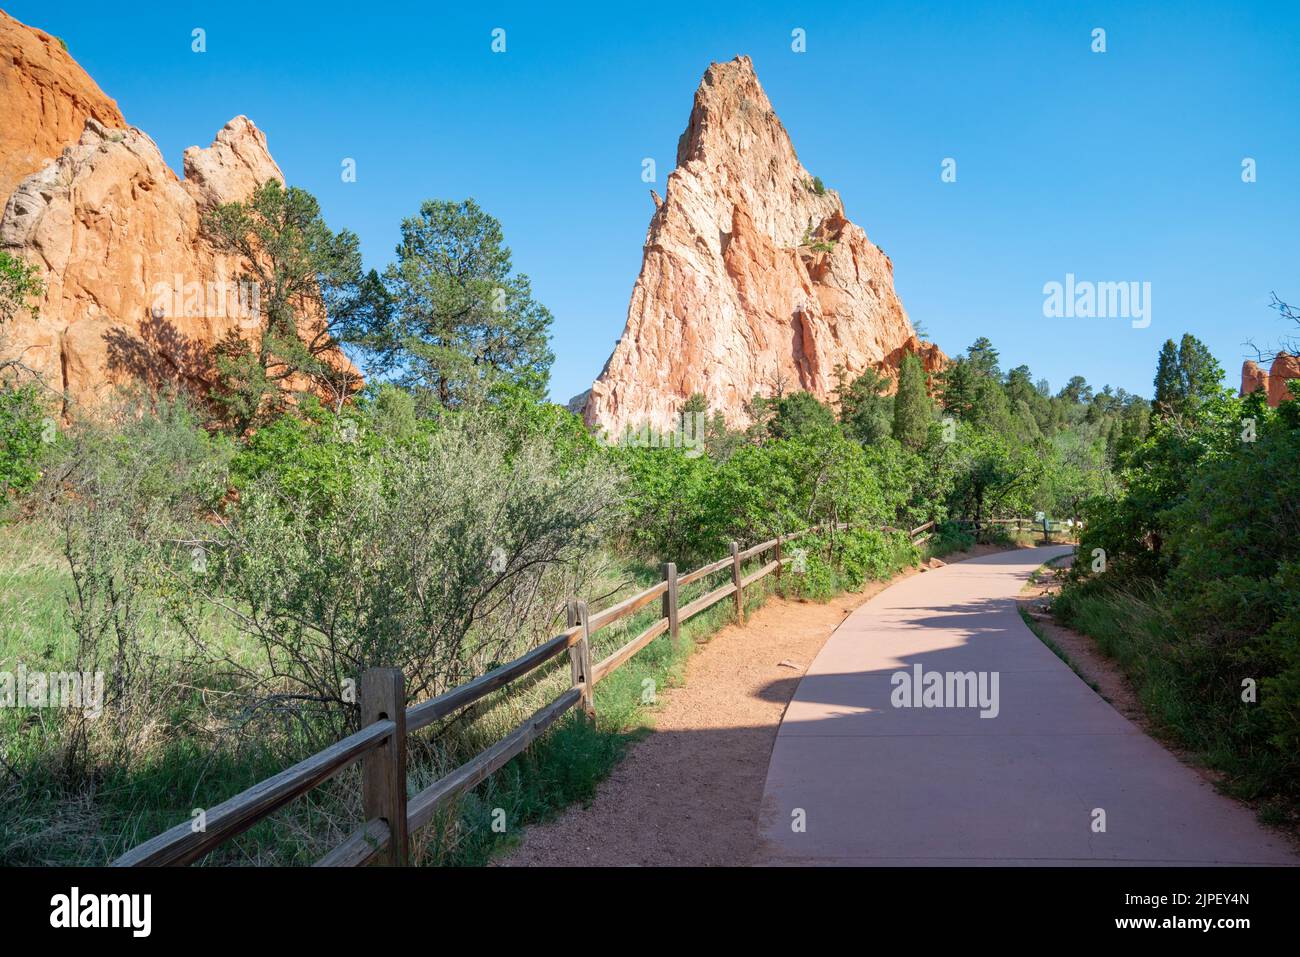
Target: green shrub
(949,537)
(1207,535)
(26,431)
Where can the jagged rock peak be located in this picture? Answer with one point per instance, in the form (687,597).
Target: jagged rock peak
(752,276)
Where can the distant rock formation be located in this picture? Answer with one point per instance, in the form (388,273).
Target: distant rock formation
(134,289)
(752,277)
(1253,378)
(1285,367)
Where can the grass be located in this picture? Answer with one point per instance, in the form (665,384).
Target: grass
(1131,625)
(197,755)
(192,762)
(1056,649)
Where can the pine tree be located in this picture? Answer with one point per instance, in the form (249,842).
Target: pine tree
(1169,390)
(1199,370)
(866,408)
(1186,375)
(464,320)
(912,406)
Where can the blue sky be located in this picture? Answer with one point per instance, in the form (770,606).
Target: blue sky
(1115,166)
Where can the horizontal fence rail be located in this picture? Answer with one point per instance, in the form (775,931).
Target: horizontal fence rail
(380,746)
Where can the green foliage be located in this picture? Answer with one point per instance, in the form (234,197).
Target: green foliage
(131,494)
(866,408)
(228,625)
(1186,376)
(26,431)
(464,323)
(826,564)
(994,476)
(799,415)
(949,537)
(312,294)
(818,186)
(814,578)
(869,554)
(913,409)
(686,509)
(19,281)
(1205,522)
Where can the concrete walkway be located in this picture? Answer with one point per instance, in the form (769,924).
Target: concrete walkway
(876,783)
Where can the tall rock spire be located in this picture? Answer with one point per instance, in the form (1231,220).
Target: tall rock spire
(752,277)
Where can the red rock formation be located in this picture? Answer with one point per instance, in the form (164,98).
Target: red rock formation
(45,99)
(134,289)
(1253,377)
(1285,367)
(750,277)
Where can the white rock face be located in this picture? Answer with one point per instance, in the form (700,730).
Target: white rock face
(750,278)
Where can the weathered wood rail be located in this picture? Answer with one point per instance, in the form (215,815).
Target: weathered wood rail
(380,745)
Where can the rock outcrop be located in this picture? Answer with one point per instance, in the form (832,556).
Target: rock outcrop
(45,100)
(1253,378)
(1285,367)
(134,290)
(752,277)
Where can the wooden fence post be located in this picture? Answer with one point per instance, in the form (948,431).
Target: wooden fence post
(383,770)
(580,657)
(669,571)
(735,580)
(778,562)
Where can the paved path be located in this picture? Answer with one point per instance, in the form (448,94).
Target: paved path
(879,784)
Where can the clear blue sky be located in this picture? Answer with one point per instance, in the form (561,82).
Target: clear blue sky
(1117,166)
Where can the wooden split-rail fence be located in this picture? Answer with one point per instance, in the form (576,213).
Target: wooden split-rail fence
(380,745)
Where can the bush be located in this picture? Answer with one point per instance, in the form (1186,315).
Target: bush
(25,432)
(129,493)
(442,556)
(866,554)
(949,537)
(687,509)
(1208,527)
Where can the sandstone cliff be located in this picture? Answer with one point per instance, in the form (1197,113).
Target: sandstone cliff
(134,289)
(752,277)
(1285,367)
(45,99)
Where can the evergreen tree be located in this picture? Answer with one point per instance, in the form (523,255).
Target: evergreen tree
(464,322)
(1168,395)
(800,415)
(912,406)
(1076,390)
(957,388)
(312,294)
(984,358)
(1186,375)
(866,408)
(1199,370)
